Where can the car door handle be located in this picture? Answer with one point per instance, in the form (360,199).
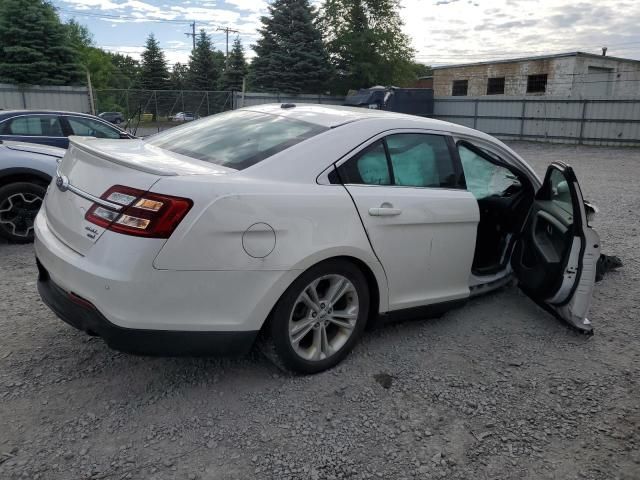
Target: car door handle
(384,211)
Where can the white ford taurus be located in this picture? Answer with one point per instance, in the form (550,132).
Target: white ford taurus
(304,223)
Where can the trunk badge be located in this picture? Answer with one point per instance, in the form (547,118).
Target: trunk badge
(62,182)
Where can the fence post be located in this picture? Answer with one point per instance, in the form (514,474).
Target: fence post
(24,99)
(584,116)
(208,110)
(155,98)
(475,113)
(522,114)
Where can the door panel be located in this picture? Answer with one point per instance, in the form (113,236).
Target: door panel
(421,225)
(555,257)
(426,248)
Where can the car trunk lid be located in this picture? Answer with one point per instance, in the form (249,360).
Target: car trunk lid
(91,166)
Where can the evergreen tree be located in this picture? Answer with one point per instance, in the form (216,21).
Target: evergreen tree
(366,43)
(204,64)
(235,69)
(290,55)
(34,47)
(179,77)
(154,74)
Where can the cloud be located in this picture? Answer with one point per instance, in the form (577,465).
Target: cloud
(455,32)
(471,31)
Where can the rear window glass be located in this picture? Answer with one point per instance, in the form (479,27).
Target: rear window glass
(235,139)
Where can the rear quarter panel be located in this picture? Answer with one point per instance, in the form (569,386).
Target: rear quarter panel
(310,222)
(14,162)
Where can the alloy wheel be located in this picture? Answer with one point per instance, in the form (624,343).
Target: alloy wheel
(18,212)
(323,317)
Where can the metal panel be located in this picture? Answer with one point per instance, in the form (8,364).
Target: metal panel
(614,121)
(72,99)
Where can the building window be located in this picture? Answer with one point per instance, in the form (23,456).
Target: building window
(459,88)
(537,83)
(495,86)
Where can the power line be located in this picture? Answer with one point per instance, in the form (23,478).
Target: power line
(227,30)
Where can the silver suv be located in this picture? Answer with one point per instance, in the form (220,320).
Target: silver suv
(25,171)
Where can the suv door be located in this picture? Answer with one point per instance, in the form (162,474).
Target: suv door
(555,257)
(409,192)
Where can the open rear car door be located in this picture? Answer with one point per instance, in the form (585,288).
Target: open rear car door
(555,257)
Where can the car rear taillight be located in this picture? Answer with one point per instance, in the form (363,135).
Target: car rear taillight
(135,212)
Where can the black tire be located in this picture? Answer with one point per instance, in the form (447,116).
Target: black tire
(279,333)
(19,205)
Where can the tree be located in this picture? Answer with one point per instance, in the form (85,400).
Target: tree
(93,60)
(366,43)
(204,64)
(126,71)
(235,68)
(290,55)
(154,74)
(179,77)
(34,46)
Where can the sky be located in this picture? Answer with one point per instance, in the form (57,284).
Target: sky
(441,31)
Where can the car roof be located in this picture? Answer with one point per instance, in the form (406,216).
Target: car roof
(11,113)
(331,116)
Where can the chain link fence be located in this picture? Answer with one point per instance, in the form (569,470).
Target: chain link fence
(155,110)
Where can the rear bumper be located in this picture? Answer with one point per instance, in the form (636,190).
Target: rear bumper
(83,315)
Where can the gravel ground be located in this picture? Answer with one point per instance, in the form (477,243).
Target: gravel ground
(498,389)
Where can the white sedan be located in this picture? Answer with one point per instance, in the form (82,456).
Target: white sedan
(302,224)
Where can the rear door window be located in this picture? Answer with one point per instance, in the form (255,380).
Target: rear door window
(369,167)
(34,126)
(421,160)
(236,139)
(404,160)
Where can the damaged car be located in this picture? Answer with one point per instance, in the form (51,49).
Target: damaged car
(301,224)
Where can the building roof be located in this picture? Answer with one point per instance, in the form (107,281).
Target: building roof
(539,57)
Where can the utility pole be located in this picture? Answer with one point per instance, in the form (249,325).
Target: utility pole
(92,105)
(227,30)
(193,33)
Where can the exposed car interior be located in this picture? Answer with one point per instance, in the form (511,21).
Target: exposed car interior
(504,198)
(540,255)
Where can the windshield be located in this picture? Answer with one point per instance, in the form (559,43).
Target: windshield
(235,139)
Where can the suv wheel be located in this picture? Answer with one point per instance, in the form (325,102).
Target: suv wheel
(19,205)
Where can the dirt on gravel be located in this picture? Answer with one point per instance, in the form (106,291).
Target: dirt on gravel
(497,389)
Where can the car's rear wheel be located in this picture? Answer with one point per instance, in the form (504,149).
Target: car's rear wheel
(320,317)
(19,205)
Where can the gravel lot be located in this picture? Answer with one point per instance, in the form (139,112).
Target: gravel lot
(497,389)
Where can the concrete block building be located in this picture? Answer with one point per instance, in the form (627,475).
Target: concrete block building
(572,75)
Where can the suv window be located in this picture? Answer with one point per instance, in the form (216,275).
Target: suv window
(404,160)
(484,178)
(34,125)
(88,127)
(236,139)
